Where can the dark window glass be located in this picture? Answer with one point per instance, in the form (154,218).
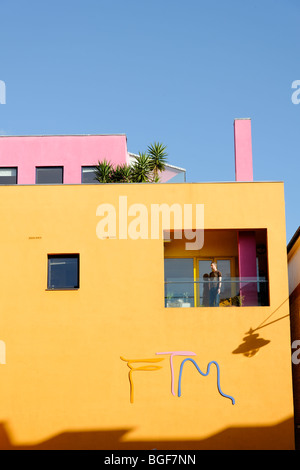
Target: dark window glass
(49,175)
(63,271)
(8,175)
(88,175)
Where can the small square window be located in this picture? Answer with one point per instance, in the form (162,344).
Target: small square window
(63,271)
(88,175)
(8,175)
(49,175)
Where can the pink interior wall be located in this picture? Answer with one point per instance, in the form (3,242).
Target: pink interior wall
(247,266)
(71,152)
(246,239)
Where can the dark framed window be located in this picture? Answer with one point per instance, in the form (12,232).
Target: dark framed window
(49,175)
(88,175)
(8,175)
(63,271)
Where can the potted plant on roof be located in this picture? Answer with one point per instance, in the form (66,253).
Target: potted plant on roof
(186,302)
(104,171)
(146,167)
(158,158)
(169,298)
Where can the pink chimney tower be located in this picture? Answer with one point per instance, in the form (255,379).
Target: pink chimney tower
(243,150)
(246,238)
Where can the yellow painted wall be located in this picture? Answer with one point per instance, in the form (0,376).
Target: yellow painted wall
(64,385)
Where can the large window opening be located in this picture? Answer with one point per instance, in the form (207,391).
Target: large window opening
(211,277)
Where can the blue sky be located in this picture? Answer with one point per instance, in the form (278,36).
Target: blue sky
(170,71)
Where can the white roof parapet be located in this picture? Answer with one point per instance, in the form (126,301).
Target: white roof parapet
(134,155)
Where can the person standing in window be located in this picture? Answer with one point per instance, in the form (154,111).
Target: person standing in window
(215,278)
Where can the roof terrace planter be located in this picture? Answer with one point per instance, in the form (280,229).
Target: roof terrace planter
(145,168)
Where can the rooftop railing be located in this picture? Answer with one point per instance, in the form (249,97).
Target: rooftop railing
(231,292)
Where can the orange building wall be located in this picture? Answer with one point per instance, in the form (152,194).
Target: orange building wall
(64,385)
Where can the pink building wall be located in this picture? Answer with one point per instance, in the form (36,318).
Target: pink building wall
(71,152)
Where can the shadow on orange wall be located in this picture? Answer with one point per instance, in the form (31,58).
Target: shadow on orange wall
(276,437)
(252,342)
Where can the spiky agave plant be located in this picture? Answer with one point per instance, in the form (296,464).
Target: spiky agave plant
(122,174)
(104,171)
(141,169)
(158,159)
